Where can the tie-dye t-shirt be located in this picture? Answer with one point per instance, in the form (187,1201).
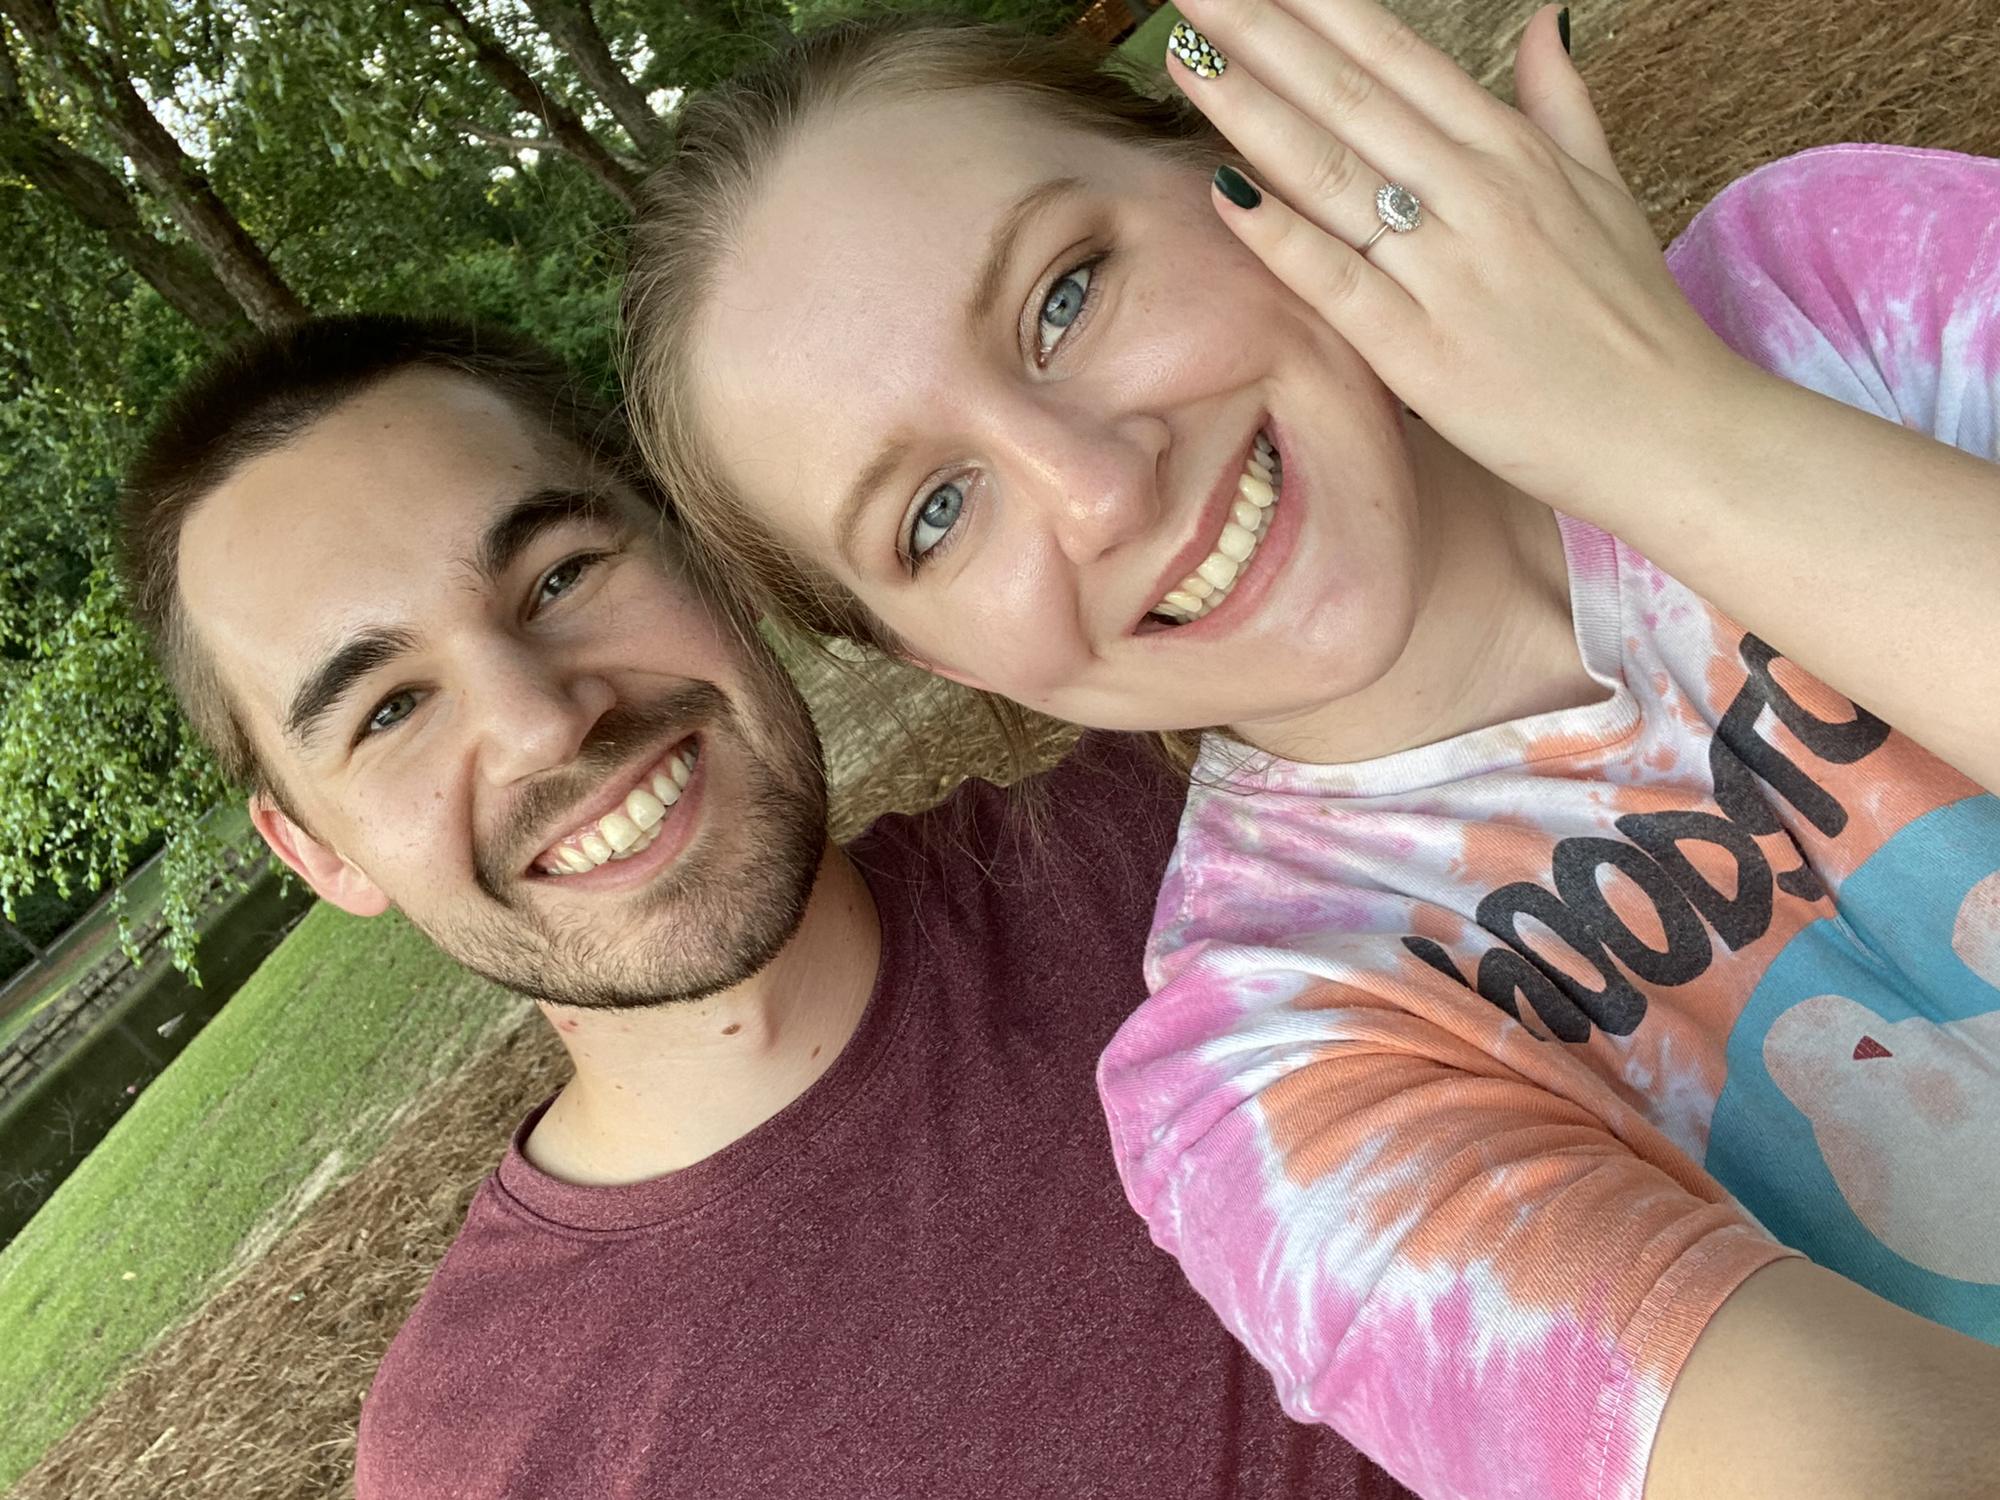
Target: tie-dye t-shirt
(1476,1077)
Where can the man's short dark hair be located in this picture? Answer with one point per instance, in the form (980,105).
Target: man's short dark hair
(262,393)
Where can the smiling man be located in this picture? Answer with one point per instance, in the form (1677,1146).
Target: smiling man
(826,1208)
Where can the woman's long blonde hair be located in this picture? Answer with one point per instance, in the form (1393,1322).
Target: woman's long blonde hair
(693,210)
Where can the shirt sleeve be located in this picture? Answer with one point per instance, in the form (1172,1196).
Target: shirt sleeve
(1480,1264)
(1868,273)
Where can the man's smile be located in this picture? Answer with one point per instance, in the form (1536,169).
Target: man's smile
(628,818)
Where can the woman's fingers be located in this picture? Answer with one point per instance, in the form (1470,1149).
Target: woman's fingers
(1532,289)
(1311,167)
(1355,297)
(1551,93)
(1285,40)
(1277,62)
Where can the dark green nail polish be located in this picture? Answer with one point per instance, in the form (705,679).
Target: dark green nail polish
(1237,188)
(1562,26)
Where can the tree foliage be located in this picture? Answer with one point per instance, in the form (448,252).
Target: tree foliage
(174,171)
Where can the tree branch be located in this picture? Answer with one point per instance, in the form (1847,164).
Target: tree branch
(566,127)
(100,198)
(235,259)
(572,26)
(508,142)
(503,140)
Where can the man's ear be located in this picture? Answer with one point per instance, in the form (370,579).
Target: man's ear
(331,876)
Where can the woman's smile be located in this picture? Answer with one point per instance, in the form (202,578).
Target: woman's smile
(1228,539)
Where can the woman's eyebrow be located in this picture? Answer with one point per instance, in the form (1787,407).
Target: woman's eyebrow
(847,519)
(1007,231)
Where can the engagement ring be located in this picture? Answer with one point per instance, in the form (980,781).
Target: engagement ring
(1399,210)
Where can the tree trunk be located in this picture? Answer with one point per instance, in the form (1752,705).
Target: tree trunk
(236,259)
(35,949)
(573,28)
(91,192)
(566,128)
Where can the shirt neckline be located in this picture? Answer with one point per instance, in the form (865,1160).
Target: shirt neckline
(780,1147)
(1590,558)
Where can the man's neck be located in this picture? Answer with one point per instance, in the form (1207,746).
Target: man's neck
(659,1089)
(1493,639)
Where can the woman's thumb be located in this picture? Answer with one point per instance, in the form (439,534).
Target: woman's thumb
(1550,92)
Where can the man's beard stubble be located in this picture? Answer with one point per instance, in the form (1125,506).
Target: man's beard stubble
(712,920)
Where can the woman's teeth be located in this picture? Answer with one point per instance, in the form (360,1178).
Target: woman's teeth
(628,828)
(1249,518)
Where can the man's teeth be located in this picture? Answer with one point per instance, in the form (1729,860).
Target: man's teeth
(628,828)
(1249,518)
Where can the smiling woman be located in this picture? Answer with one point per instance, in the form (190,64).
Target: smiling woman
(1452,1091)
(696,214)
(1065,326)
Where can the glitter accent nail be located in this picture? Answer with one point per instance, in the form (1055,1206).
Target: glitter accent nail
(1196,53)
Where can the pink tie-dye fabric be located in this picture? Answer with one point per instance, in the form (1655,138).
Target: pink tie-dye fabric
(1476,1077)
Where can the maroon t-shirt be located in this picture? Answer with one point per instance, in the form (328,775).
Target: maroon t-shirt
(919,1280)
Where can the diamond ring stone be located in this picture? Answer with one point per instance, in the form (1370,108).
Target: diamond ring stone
(1399,209)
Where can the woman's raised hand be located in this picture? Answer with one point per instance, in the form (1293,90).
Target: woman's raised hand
(1529,316)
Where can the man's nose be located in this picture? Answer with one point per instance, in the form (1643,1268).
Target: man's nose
(1098,483)
(533,715)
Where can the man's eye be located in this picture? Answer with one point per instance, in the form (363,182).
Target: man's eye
(935,517)
(565,576)
(390,712)
(1063,305)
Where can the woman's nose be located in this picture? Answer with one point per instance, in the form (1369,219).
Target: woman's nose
(1099,488)
(535,716)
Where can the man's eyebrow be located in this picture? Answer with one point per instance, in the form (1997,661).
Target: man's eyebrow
(510,533)
(337,672)
(516,528)
(986,289)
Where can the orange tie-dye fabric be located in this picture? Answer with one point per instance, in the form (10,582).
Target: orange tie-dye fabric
(1475,1078)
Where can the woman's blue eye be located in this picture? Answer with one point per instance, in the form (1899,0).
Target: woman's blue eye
(936,516)
(1063,305)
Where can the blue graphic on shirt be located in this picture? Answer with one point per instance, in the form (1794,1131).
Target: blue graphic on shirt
(1861,1118)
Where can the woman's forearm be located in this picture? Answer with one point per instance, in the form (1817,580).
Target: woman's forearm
(1805,1384)
(1866,553)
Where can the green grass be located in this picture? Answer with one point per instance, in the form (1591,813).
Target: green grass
(294,1083)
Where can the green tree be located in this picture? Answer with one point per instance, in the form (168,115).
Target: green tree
(91,69)
(101,199)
